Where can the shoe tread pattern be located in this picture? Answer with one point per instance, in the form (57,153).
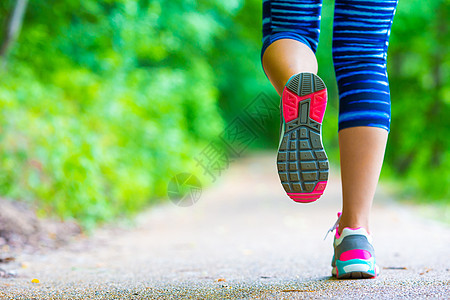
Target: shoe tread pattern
(302,161)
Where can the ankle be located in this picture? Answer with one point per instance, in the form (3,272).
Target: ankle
(353,222)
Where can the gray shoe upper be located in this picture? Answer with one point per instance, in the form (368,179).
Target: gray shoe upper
(351,242)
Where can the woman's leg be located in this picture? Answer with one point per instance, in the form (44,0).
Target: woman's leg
(286,57)
(362,152)
(290,38)
(360,41)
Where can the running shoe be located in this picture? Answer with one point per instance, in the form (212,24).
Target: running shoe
(354,256)
(301,161)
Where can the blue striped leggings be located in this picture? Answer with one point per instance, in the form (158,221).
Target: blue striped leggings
(360,40)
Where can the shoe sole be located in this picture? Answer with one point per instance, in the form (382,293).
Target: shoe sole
(301,161)
(356,275)
(370,271)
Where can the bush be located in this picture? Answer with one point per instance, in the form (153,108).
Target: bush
(97,120)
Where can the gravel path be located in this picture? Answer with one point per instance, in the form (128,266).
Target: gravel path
(244,238)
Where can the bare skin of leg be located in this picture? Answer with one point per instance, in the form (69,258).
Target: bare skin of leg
(362,148)
(362,152)
(286,57)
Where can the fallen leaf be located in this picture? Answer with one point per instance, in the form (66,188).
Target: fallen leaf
(221,279)
(7,259)
(34,280)
(426,271)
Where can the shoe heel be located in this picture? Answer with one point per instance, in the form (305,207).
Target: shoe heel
(355,269)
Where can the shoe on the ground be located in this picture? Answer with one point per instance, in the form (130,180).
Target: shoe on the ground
(354,256)
(301,160)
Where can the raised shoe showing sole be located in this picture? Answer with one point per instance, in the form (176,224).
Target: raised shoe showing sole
(301,161)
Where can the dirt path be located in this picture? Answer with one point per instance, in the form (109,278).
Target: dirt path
(243,239)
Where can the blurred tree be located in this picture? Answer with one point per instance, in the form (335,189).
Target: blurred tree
(12,29)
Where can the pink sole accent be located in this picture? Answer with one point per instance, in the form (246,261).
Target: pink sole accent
(309,197)
(320,187)
(318,105)
(316,111)
(305,199)
(355,254)
(337,235)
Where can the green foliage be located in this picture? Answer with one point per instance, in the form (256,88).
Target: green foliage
(419,64)
(102,104)
(240,76)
